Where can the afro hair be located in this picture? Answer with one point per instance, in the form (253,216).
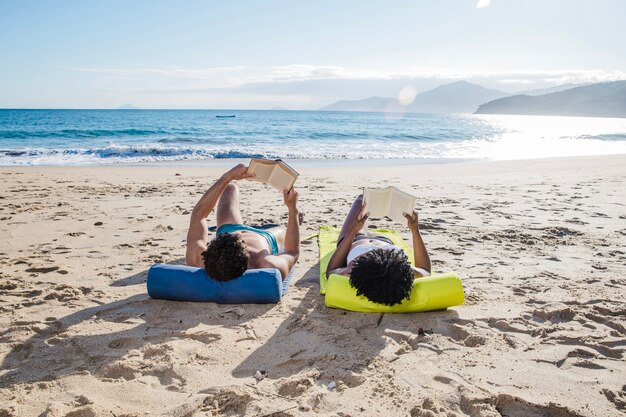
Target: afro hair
(383,276)
(226,257)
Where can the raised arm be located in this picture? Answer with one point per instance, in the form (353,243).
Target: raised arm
(198,235)
(422,260)
(337,263)
(285,260)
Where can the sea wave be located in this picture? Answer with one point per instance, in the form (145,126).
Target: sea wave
(114,154)
(80,133)
(503,147)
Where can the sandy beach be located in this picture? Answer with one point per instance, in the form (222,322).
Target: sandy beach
(539,244)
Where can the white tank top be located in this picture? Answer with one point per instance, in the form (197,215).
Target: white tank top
(362,249)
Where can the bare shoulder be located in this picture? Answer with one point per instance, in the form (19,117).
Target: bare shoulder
(193,255)
(197,239)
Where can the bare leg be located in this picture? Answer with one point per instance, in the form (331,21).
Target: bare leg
(351,217)
(228,211)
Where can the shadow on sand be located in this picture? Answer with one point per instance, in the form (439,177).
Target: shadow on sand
(327,343)
(96,339)
(317,342)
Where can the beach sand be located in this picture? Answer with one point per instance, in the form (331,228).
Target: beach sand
(539,245)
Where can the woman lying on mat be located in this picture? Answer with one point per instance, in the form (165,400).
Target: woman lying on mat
(237,247)
(377,268)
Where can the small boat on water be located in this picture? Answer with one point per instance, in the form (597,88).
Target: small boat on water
(223,116)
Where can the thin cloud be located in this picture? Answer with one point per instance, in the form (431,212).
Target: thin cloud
(175,72)
(241,75)
(515,81)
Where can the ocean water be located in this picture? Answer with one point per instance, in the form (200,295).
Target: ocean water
(92,137)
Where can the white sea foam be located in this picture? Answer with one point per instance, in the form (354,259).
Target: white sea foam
(506,147)
(433,137)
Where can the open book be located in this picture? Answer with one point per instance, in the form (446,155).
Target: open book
(275,173)
(390,202)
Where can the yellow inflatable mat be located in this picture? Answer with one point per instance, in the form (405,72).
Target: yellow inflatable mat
(431,293)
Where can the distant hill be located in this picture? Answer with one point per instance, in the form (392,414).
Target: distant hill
(456,97)
(127,107)
(369,104)
(555,89)
(597,100)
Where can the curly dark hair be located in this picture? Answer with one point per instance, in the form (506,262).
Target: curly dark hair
(226,257)
(383,276)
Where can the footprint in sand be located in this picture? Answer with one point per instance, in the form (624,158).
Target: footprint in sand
(618,398)
(229,400)
(123,343)
(42,269)
(582,358)
(297,385)
(431,408)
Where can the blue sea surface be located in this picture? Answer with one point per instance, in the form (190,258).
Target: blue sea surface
(90,137)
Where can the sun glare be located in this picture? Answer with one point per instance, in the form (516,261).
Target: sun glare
(407,95)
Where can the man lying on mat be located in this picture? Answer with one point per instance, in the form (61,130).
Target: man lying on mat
(377,268)
(237,247)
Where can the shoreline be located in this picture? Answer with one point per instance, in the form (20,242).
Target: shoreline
(320,163)
(290,161)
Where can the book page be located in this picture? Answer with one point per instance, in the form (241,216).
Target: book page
(283,165)
(282,178)
(377,200)
(400,202)
(262,168)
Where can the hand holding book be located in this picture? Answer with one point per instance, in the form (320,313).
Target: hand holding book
(412,221)
(360,219)
(239,172)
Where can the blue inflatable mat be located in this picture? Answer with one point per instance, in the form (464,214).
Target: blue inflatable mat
(186,283)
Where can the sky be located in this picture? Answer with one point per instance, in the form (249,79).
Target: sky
(296,55)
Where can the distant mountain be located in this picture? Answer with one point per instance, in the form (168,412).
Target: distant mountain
(127,107)
(456,97)
(369,104)
(555,89)
(597,100)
